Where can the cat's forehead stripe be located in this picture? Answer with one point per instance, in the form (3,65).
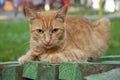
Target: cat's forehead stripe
(46,24)
(47,19)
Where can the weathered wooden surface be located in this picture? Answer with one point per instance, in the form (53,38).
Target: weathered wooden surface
(69,71)
(110,58)
(30,70)
(109,75)
(47,72)
(36,70)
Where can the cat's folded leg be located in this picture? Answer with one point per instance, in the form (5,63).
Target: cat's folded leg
(53,58)
(58,58)
(65,56)
(75,55)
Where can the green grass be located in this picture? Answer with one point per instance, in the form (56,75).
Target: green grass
(89,12)
(14,39)
(114,46)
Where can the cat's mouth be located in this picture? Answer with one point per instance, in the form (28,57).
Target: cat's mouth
(48,46)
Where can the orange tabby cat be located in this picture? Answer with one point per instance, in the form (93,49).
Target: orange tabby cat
(56,38)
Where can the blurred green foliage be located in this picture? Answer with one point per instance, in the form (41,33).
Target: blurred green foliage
(14,39)
(114,45)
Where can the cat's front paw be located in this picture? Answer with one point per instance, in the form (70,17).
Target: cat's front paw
(58,59)
(22,59)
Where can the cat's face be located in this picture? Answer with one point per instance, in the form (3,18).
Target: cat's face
(47,28)
(48,33)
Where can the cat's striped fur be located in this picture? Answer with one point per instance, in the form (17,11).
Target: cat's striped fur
(56,38)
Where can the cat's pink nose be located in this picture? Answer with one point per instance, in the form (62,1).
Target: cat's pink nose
(47,43)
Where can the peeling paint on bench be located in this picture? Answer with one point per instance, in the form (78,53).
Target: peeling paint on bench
(36,70)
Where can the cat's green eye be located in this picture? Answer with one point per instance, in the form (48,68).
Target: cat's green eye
(55,30)
(40,31)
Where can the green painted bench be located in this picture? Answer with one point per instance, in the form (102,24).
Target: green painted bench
(107,68)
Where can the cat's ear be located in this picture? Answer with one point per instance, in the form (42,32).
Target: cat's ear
(31,15)
(61,14)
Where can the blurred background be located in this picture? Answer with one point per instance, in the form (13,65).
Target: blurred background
(14,27)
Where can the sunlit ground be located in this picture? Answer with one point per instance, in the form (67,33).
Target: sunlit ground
(3,17)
